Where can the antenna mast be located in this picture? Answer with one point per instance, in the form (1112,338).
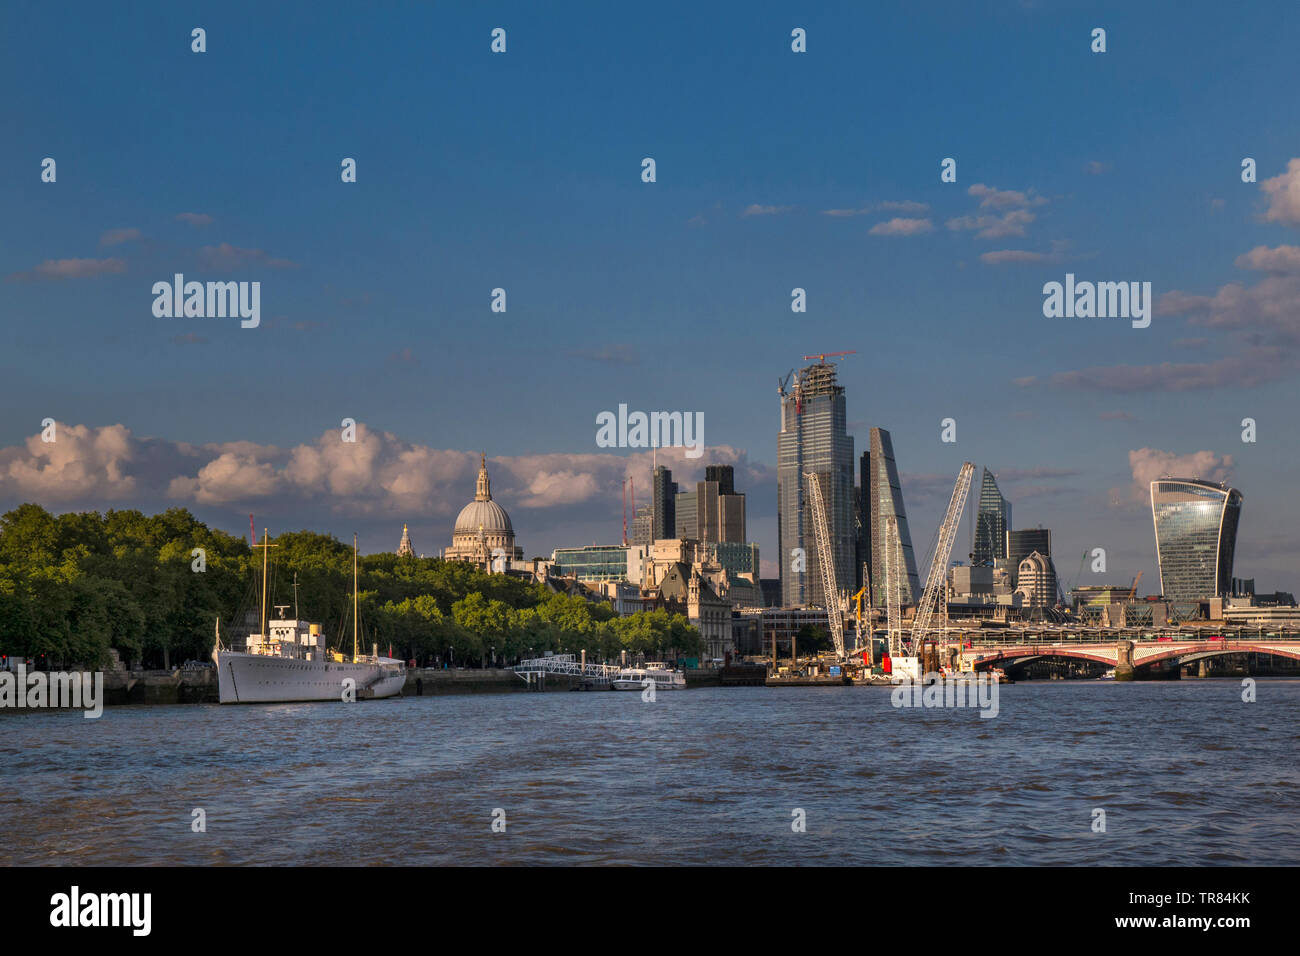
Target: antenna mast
(354,597)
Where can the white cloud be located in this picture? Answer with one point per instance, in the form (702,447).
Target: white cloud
(902,227)
(1006,256)
(225,256)
(1148,464)
(115,237)
(1282,260)
(1010,223)
(1283,192)
(991,198)
(80,462)
(889,205)
(57,269)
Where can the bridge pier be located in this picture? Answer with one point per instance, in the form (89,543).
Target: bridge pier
(1124,664)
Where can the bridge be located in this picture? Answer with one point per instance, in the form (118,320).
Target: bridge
(983,650)
(567,665)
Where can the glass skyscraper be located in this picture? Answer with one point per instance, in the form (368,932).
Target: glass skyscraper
(1021,544)
(885,498)
(1196,536)
(663,518)
(813,438)
(992,522)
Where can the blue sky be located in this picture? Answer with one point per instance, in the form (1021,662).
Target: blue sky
(522,171)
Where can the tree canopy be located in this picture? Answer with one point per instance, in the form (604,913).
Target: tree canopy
(73,586)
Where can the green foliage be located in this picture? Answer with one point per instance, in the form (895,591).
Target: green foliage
(73,586)
(812,639)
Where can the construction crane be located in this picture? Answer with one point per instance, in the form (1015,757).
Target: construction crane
(1132,594)
(892,610)
(1079,577)
(942,552)
(826,563)
(868,651)
(823,356)
(625,483)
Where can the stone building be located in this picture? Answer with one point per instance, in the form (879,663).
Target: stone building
(483,534)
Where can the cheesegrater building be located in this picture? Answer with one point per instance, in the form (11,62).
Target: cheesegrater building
(1196,536)
(884,500)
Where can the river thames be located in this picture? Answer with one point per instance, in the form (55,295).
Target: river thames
(1185,772)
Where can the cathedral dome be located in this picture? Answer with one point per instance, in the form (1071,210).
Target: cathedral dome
(488,515)
(483,533)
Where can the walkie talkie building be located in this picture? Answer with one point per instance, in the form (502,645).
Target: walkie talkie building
(1196,536)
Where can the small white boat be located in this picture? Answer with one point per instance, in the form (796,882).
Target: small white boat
(639,678)
(1109,675)
(996,674)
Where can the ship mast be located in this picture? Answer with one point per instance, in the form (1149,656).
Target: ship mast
(354,597)
(265,553)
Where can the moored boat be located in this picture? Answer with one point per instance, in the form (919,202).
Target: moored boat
(639,678)
(287,662)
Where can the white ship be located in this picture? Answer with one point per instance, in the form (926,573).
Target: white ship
(289,663)
(638,678)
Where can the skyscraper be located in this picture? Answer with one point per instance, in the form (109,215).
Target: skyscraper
(724,475)
(1196,536)
(663,522)
(713,512)
(688,515)
(992,522)
(813,438)
(885,498)
(1021,544)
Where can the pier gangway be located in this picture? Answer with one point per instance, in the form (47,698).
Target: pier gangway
(567,665)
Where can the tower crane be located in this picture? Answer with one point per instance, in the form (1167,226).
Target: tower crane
(823,356)
(921,625)
(891,589)
(826,563)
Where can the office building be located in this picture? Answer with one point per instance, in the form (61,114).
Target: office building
(1196,536)
(992,522)
(884,498)
(1024,542)
(813,439)
(594,563)
(1036,581)
(664,505)
(713,512)
(688,515)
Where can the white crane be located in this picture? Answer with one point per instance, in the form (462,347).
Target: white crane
(826,563)
(891,589)
(942,552)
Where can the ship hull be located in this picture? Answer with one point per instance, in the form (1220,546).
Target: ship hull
(262,679)
(639,683)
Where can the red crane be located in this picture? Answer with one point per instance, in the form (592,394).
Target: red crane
(822,357)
